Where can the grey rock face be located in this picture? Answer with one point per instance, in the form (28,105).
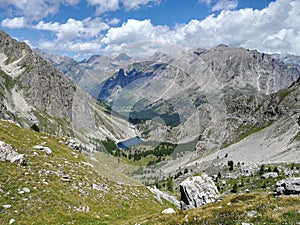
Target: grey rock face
(197,191)
(288,186)
(7,153)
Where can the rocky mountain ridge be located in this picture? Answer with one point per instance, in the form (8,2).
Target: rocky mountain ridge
(34,92)
(218,96)
(198,91)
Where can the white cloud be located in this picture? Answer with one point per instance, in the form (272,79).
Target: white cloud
(273,29)
(136,4)
(217,5)
(113,21)
(17,22)
(131,31)
(82,36)
(71,46)
(225,5)
(34,9)
(73,29)
(103,6)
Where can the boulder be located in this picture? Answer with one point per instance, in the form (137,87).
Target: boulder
(288,186)
(7,153)
(270,175)
(168,211)
(197,191)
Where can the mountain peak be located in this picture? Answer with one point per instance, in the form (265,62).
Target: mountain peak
(122,57)
(222,46)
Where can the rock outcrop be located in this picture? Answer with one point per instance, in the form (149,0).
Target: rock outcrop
(159,195)
(7,153)
(197,191)
(288,186)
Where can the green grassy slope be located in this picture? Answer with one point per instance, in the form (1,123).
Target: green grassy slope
(251,208)
(54,201)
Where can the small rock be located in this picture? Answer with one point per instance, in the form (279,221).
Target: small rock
(74,144)
(66,178)
(97,187)
(11,221)
(47,150)
(7,206)
(168,211)
(88,164)
(270,175)
(27,190)
(251,214)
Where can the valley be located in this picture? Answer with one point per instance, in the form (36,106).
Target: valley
(95,141)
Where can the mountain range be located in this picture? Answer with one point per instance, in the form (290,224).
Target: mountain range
(218,97)
(191,113)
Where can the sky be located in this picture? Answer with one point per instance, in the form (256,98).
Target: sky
(81,28)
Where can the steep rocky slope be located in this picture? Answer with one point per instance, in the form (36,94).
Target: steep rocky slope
(34,92)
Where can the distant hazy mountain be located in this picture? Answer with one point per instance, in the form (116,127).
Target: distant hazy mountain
(288,58)
(90,73)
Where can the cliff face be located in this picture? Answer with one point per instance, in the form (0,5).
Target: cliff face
(34,91)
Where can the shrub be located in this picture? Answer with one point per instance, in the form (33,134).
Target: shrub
(262,169)
(35,127)
(234,188)
(230,164)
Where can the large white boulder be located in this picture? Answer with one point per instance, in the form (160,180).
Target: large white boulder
(197,191)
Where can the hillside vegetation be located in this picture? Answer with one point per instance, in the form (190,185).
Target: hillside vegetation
(61,188)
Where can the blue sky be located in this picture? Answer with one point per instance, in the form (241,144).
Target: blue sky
(80,28)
